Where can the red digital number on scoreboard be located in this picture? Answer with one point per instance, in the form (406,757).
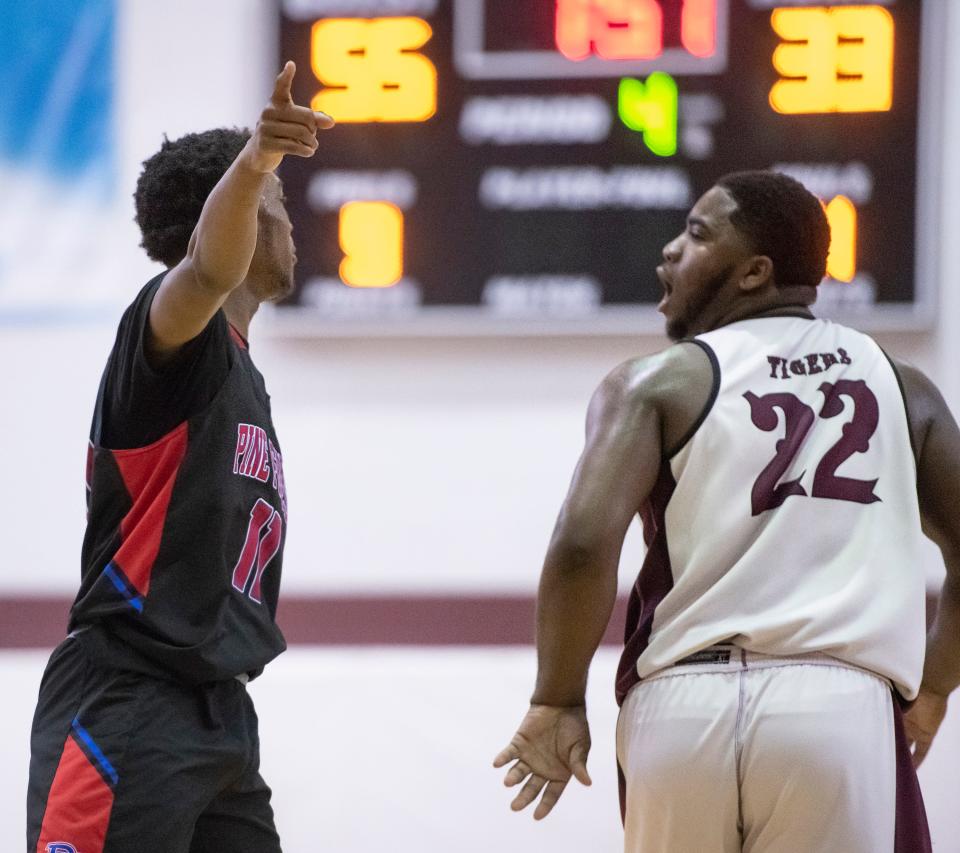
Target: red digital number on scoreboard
(631,29)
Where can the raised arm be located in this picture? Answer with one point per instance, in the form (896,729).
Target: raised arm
(222,245)
(937,443)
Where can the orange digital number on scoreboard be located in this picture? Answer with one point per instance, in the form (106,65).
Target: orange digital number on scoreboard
(833,59)
(371,69)
(630,29)
(842,259)
(371,237)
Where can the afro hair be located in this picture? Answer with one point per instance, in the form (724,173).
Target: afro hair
(174,185)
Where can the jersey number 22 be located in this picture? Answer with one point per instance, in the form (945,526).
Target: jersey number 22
(768,491)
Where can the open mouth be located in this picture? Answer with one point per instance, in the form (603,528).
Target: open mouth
(664,280)
(667,287)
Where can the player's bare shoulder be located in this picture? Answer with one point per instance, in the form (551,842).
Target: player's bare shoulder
(925,403)
(679,382)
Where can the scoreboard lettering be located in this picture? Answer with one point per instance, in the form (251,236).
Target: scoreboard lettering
(526,160)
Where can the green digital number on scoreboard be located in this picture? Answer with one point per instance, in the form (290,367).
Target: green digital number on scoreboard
(526,160)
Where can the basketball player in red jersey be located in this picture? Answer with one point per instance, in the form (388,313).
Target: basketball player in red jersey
(144,738)
(782,467)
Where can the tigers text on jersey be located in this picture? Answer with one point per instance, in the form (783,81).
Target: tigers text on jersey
(789,523)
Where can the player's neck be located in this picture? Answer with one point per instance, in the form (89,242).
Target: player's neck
(793,301)
(790,309)
(240,307)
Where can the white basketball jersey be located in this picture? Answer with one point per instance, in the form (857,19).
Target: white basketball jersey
(793,523)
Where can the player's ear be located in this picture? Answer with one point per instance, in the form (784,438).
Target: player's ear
(757,274)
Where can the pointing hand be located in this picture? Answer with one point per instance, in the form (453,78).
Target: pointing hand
(284,127)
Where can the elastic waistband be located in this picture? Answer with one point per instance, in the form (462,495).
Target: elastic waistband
(725,657)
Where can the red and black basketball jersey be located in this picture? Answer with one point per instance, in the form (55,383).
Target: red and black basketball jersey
(187,509)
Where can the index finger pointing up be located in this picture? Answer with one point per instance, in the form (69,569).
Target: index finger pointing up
(282,88)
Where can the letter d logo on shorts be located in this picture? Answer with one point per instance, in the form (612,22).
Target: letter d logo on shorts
(60,847)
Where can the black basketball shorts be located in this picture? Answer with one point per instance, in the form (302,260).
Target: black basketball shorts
(126,763)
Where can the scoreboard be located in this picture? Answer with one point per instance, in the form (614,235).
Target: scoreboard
(520,164)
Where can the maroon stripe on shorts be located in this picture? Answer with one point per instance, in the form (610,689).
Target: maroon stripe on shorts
(653,583)
(912,833)
(622,788)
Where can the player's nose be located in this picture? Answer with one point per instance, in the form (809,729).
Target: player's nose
(671,252)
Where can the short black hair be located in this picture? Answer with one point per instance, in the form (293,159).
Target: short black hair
(785,222)
(174,185)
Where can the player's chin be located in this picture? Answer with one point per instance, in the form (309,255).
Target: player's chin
(283,287)
(677,328)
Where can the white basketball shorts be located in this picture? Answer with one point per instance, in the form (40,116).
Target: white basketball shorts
(734,751)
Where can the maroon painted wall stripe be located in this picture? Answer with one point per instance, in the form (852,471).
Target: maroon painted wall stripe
(450,620)
(30,622)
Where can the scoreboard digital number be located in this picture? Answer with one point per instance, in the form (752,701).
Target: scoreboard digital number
(525,161)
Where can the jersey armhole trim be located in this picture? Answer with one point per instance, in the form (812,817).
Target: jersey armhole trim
(237,338)
(708,406)
(906,405)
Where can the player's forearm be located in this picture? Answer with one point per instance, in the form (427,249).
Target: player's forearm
(941,670)
(578,589)
(225,238)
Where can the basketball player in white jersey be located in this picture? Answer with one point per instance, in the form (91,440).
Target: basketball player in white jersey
(782,467)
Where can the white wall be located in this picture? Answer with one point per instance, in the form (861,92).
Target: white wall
(413,465)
